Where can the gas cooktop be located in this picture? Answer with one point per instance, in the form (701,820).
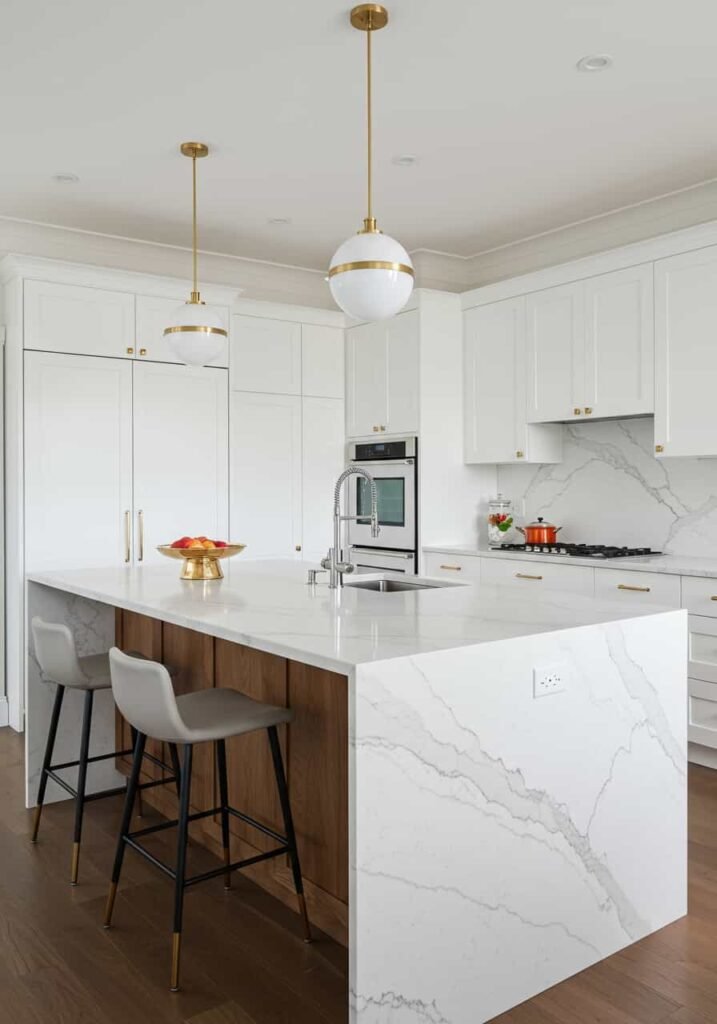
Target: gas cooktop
(578,550)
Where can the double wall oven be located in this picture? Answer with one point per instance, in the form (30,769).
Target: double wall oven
(393,465)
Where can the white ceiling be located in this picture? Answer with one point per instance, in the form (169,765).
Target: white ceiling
(511,139)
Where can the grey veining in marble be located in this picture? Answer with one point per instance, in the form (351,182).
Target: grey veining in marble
(610,489)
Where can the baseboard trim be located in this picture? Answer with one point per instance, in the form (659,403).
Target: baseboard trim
(4,712)
(697,754)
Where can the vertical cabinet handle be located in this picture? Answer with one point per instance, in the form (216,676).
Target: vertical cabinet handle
(140,531)
(127,547)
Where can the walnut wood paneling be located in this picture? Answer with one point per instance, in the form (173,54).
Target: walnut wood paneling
(140,633)
(252,787)
(318,775)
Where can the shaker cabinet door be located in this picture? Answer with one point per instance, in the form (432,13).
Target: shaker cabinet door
(78,460)
(366,380)
(322,462)
(78,320)
(181,438)
(555,354)
(266,355)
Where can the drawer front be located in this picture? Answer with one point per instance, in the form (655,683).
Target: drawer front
(451,566)
(702,721)
(702,648)
(637,587)
(537,577)
(699,596)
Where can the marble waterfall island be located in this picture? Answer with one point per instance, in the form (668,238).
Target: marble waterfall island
(472,843)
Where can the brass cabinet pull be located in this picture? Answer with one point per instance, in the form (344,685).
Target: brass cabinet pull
(375,430)
(588,410)
(659,448)
(143,351)
(519,455)
(130,350)
(453,568)
(127,548)
(140,525)
(641,590)
(577,412)
(297,547)
(382,429)
(714,597)
(526,576)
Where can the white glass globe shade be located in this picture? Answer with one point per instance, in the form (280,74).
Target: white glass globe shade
(196,334)
(368,292)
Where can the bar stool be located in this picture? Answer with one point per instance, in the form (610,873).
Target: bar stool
(57,656)
(143,693)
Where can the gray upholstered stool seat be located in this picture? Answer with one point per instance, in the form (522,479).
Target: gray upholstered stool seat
(144,694)
(59,663)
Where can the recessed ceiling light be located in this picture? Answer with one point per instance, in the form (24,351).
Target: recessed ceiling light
(65,178)
(278,221)
(594,62)
(405,160)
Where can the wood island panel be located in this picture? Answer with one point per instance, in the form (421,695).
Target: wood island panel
(140,633)
(315,749)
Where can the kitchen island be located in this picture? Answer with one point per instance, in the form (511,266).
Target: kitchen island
(474,842)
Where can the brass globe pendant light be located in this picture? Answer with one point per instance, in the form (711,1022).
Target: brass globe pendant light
(196,334)
(371,274)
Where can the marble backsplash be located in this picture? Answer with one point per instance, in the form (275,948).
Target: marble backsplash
(610,489)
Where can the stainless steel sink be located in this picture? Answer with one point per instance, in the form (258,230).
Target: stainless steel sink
(388,585)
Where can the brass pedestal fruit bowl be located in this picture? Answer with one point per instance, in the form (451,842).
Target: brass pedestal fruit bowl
(201,563)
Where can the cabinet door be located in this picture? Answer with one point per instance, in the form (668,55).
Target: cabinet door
(323,459)
(181,438)
(78,460)
(266,474)
(72,319)
(366,379)
(266,355)
(555,354)
(322,361)
(402,341)
(494,336)
(153,314)
(686,354)
(619,343)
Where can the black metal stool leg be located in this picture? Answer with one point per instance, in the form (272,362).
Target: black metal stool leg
(47,760)
(140,806)
(174,756)
(124,827)
(224,801)
(81,783)
(289,827)
(182,831)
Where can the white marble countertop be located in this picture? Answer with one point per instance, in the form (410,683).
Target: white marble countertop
(268,605)
(673,565)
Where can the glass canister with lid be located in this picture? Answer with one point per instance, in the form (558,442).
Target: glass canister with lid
(500,521)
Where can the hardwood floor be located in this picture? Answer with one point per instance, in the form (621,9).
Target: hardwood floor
(243,958)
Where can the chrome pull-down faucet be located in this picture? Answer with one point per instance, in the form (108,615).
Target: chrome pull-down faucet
(335,560)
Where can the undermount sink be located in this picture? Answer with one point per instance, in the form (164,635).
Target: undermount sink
(389,585)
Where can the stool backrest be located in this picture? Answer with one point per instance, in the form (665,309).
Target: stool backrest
(144,694)
(56,653)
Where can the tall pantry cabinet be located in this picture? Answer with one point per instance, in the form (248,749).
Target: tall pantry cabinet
(113,447)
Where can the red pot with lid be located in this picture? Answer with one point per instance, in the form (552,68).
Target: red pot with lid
(540,532)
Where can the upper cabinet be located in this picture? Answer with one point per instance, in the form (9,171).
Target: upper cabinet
(686,354)
(266,355)
(496,430)
(78,320)
(590,348)
(382,376)
(322,361)
(153,314)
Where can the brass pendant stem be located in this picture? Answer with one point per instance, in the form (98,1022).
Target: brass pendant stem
(194,224)
(369,133)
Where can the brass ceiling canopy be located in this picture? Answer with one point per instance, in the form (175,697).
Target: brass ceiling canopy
(195,150)
(369,17)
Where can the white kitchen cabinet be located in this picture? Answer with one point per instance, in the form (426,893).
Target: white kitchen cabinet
(78,461)
(590,348)
(323,459)
(266,355)
(555,352)
(451,566)
(686,354)
(75,319)
(322,361)
(530,576)
(635,587)
(154,313)
(181,437)
(382,384)
(494,410)
(265,474)
(619,344)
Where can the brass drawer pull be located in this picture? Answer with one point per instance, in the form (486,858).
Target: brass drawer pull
(458,568)
(641,590)
(525,576)
(714,597)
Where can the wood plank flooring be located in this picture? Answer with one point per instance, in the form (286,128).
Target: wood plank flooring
(243,958)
